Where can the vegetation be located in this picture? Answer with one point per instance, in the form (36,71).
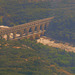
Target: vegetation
(15,12)
(26,57)
(62,28)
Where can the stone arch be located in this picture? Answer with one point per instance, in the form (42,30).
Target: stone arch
(32,29)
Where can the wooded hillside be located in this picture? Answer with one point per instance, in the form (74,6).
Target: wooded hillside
(26,57)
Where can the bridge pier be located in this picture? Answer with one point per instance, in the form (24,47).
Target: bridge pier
(1,36)
(38,28)
(47,25)
(27,31)
(8,37)
(43,27)
(21,33)
(33,29)
(42,32)
(14,35)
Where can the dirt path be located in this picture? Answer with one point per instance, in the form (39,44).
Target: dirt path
(61,70)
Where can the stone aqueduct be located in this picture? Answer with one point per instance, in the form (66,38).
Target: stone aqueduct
(28,30)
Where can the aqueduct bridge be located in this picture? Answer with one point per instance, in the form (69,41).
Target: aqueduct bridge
(28,30)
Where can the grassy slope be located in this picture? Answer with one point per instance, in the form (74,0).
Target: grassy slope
(25,57)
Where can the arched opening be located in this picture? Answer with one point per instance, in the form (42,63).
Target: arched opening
(18,34)
(30,30)
(45,27)
(41,27)
(24,31)
(35,29)
(11,35)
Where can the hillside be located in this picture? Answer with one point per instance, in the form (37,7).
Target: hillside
(20,11)
(26,57)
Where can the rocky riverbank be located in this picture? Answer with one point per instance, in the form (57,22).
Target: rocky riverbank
(52,43)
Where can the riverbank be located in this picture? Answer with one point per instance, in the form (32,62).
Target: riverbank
(52,43)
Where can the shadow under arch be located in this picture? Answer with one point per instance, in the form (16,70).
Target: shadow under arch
(30,30)
(35,28)
(45,27)
(40,27)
